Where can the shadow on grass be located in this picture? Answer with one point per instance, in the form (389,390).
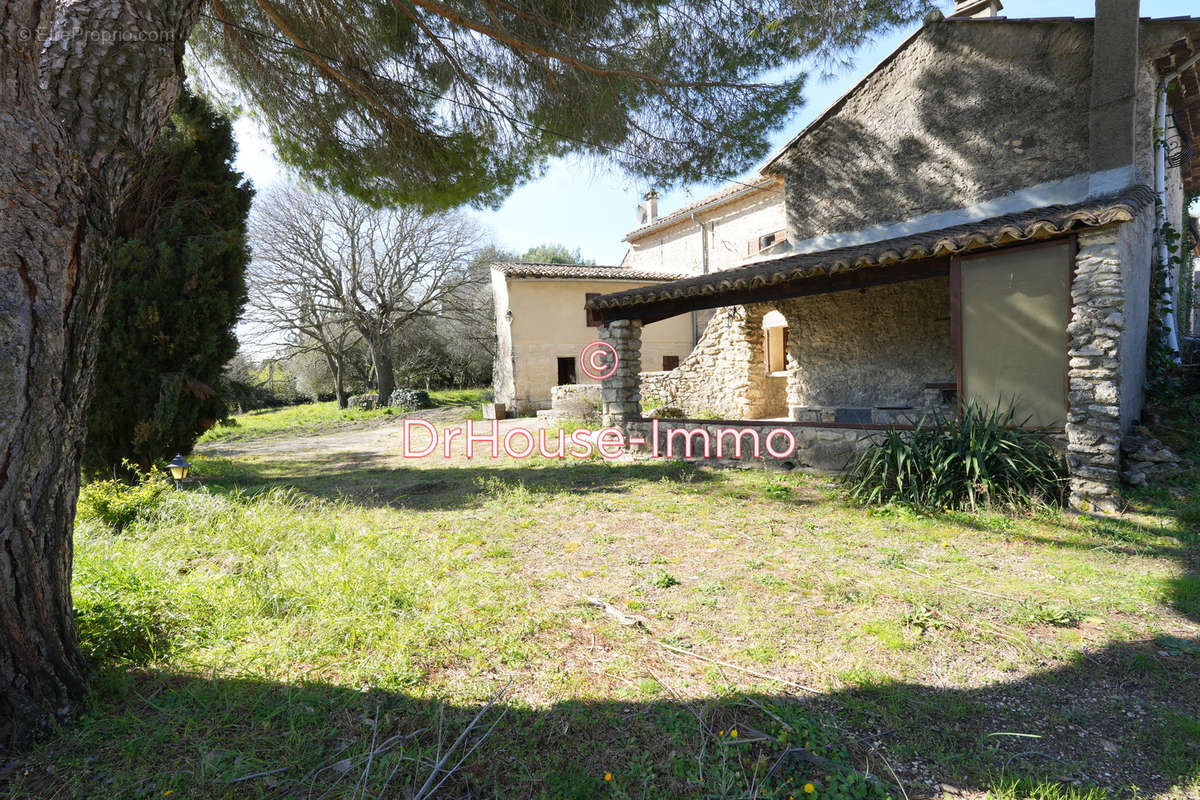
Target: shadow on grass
(1123,715)
(366,479)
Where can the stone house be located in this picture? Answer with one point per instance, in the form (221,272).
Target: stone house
(542,326)
(977,220)
(541,322)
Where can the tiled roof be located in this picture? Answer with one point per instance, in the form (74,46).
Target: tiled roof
(1040,223)
(762,183)
(522,269)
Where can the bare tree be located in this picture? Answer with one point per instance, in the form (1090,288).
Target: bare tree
(285,301)
(328,262)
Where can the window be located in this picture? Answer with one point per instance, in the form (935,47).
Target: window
(670,362)
(566,370)
(593,319)
(765,241)
(775,341)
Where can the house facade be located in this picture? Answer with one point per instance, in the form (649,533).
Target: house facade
(977,220)
(541,322)
(542,325)
(715,233)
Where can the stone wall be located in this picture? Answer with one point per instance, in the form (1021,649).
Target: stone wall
(619,392)
(1094,371)
(827,449)
(724,376)
(870,347)
(877,346)
(578,401)
(656,387)
(966,112)
(575,392)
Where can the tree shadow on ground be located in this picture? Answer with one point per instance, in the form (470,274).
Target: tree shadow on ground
(1120,716)
(368,479)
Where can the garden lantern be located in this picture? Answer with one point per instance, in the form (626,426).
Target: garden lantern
(179,467)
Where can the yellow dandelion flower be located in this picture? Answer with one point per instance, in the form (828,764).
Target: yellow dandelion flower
(720,733)
(809,788)
(733,733)
(608,776)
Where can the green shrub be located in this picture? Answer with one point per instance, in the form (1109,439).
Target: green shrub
(118,504)
(410,400)
(977,459)
(665,580)
(362,402)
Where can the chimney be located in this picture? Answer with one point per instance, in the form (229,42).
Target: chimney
(647,211)
(1112,114)
(976,8)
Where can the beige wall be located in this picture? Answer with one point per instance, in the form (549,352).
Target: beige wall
(679,246)
(549,322)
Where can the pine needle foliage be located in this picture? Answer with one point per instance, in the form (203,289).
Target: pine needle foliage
(439,103)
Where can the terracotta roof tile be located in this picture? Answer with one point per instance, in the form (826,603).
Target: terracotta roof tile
(523,269)
(1039,223)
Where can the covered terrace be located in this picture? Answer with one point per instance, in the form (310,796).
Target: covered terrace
(881,333)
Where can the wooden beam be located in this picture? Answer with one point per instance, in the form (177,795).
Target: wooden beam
(800,287)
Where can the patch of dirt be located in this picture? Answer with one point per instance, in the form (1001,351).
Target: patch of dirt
(381,435)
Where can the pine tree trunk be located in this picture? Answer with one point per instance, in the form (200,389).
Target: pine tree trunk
(75,118)
(46,297)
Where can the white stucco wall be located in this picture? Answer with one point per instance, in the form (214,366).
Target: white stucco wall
(729,228)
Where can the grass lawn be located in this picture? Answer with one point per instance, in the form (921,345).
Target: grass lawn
(328,625)
(316,417)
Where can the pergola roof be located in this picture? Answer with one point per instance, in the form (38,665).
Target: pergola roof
(792,275)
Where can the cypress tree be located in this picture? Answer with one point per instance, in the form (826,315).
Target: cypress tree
(179,285)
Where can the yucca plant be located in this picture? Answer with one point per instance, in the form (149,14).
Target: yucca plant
(979,458)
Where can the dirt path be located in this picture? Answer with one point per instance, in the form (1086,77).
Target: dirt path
(383,437)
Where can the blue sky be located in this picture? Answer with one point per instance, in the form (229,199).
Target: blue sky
(590,205)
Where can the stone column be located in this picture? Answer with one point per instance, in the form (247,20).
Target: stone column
(1094,400)
(621,391)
